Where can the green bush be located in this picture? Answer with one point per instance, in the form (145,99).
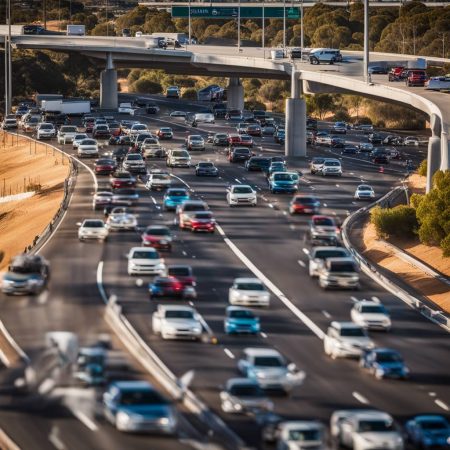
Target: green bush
(341,115)
(364,121)
(189,94)
(254,104)
(415,200)
(423,168)
(445,245)
(399,221)
(146,86)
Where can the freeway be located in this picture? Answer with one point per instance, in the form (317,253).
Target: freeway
(273,243)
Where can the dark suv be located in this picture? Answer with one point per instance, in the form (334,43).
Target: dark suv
(258,163)
(239,154)
(27,274)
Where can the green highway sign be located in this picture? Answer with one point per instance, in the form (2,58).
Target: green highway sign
(247,12)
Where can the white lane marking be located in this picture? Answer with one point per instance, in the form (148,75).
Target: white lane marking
(312,188)
(238,181)
(153,200)
(285,213)
(184,182)
(326,314)
(270,205)
(264,335)
(101,289)
(299,314)
(432,394)
(292,226)
(442,405)
(184,253)
(53,437)
(229,353)
(305,251)
(301,263)
(354,299)
(325,204)
(360,398)
(85,420)
(337,185)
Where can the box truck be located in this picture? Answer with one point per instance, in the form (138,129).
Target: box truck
(71,108)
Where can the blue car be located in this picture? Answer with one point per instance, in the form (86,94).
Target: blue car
(240,320)
(174,197)
(283,182)
(428,431)
(384,363)
(136,406)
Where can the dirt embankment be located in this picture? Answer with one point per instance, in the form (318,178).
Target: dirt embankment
(26,166)
(378,252)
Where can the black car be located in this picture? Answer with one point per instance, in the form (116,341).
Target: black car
(375,139)
(119,154)
(206,169)
(380,159)
(220,110)
(239,154)
(152,108)
(258,163)
(295,53)
(120,140)
(349,150)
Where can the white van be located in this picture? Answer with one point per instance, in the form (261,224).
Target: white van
(325,55)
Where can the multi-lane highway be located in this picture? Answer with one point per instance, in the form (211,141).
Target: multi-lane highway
(265,241)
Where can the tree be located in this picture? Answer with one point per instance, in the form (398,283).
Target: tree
(322,104)
(271,91)
(103,29)
(331,36)
(146,86)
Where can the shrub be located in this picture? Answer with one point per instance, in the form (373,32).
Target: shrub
(146,86)
(380,124)
(341,115)
(364,121)
(254,104)
(423,168)
(189,94)
(445,245)
(399,221)
(415,200)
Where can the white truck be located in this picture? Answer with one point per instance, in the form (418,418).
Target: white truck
(71,108)
(149,40)
(177,322)
(76,30)
(126,108)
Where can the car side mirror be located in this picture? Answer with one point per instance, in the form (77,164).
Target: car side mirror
(292,367)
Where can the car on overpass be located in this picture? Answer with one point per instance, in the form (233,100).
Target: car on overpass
(324,56)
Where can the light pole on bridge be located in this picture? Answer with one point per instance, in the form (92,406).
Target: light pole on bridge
(366,42)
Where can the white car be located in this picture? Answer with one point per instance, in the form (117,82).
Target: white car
(87,147)
(178,114)
(126,108)
(300,435)
(318,255)
(138,128)
(241,194)
(120,219)
(411,140)
(371,314)
(152,148)
(364,192)
(78,138)
(102,199)
(45,131)
(66,134)
(134,162)
(346,340)
(92,229)
(361,429)
(195,142)
(145,261)
(248,292)
(158,180)
(331,166)
(178,158)
(177,322)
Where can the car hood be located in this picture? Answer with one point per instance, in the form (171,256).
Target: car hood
(182,322)
(177,199)
(242,194)
(374,316)
(380,438)
(121,218)
(148,262)
(253,293)
(11,276)
(147,411)
(390,365)
(242,321)
(270,372)
(157,237)
(313,445)
(356,342)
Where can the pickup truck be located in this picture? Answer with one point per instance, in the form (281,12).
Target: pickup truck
(177,322)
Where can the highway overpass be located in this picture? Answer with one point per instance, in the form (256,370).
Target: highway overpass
(346,77)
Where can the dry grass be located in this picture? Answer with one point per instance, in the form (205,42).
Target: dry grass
(21,221)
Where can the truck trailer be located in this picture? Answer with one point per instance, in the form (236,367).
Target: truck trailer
(71,108)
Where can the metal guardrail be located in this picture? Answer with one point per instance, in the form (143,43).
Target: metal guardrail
(436,316)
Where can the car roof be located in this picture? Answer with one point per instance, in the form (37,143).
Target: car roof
(175,308)
(179,266)
(343,324)
(323,248)
(385,350)
(92,351)
(428,417)
(262,351)
(157,227)
(364,185)
(132,385)
(301,425)
(248,280)
(147,249)
(241,381)
(240,185)
(343,259)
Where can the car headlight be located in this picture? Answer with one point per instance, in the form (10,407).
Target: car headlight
(123,418)
(164,421)
(260,375)
(35,282)
(196,329)
(7,283)
(160,266)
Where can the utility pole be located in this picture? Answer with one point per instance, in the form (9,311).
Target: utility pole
(263,29)
(44,13)
(9,101)
(239,26)
(284,25)
(366,41)
(302,35)
(189,22)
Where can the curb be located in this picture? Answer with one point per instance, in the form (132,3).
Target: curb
(434,315)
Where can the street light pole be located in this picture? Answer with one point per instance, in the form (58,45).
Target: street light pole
(9,60)
(189,22)
(239,26)
(263,30)
(302,34)
(366,41)
(284,25)
(107,21)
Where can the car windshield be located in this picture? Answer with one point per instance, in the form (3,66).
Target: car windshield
(194,207)
(342,267)
(206,165)
(180,154)
(157,231)
(88,142)
(388,357)
(324,254)
(268,361)
(109,162)
(179,314)
(241,314)
(364,188)
(373,309)
(353,332)
(203,215)
(285,177)
(179,271)
(242,190)
(166,130)
(93,224)
(241,151)
(161,176)
(68,129)
(114,125)
(221,136)
(144,397)
(367,426)
(323,222)
(134,157)
(332,163)
(139,127)
(318,161)
(79,137)
(43,127)
(249,286)
(433,425)
(305,200)
(246,391)
(304,435)
(122,175)
(102,127)
(196,138)
(144,254)
(150,141)
(177,193)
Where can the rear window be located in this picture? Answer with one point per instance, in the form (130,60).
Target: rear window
(324,254)
(342,267)
(143,254)
(195,207)
(180,271)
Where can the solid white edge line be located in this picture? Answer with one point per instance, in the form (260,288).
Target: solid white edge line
(85,420)
(301,263)
(277,292)
(229,353)
(360,398)
(101,289)
(184,182)
(442,405)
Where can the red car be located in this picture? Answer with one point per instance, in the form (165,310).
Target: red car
(105,166)
(416,77)
(304,204)
(203,221)
(254,130)
(245,140)
(158,237)
(122,179)
(184,274)
(234,139)
(396,73)
(115,129)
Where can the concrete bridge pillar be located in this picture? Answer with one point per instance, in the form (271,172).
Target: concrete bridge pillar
(108,85)
(434,150)
(235,94)
(445,150)
(295,143)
